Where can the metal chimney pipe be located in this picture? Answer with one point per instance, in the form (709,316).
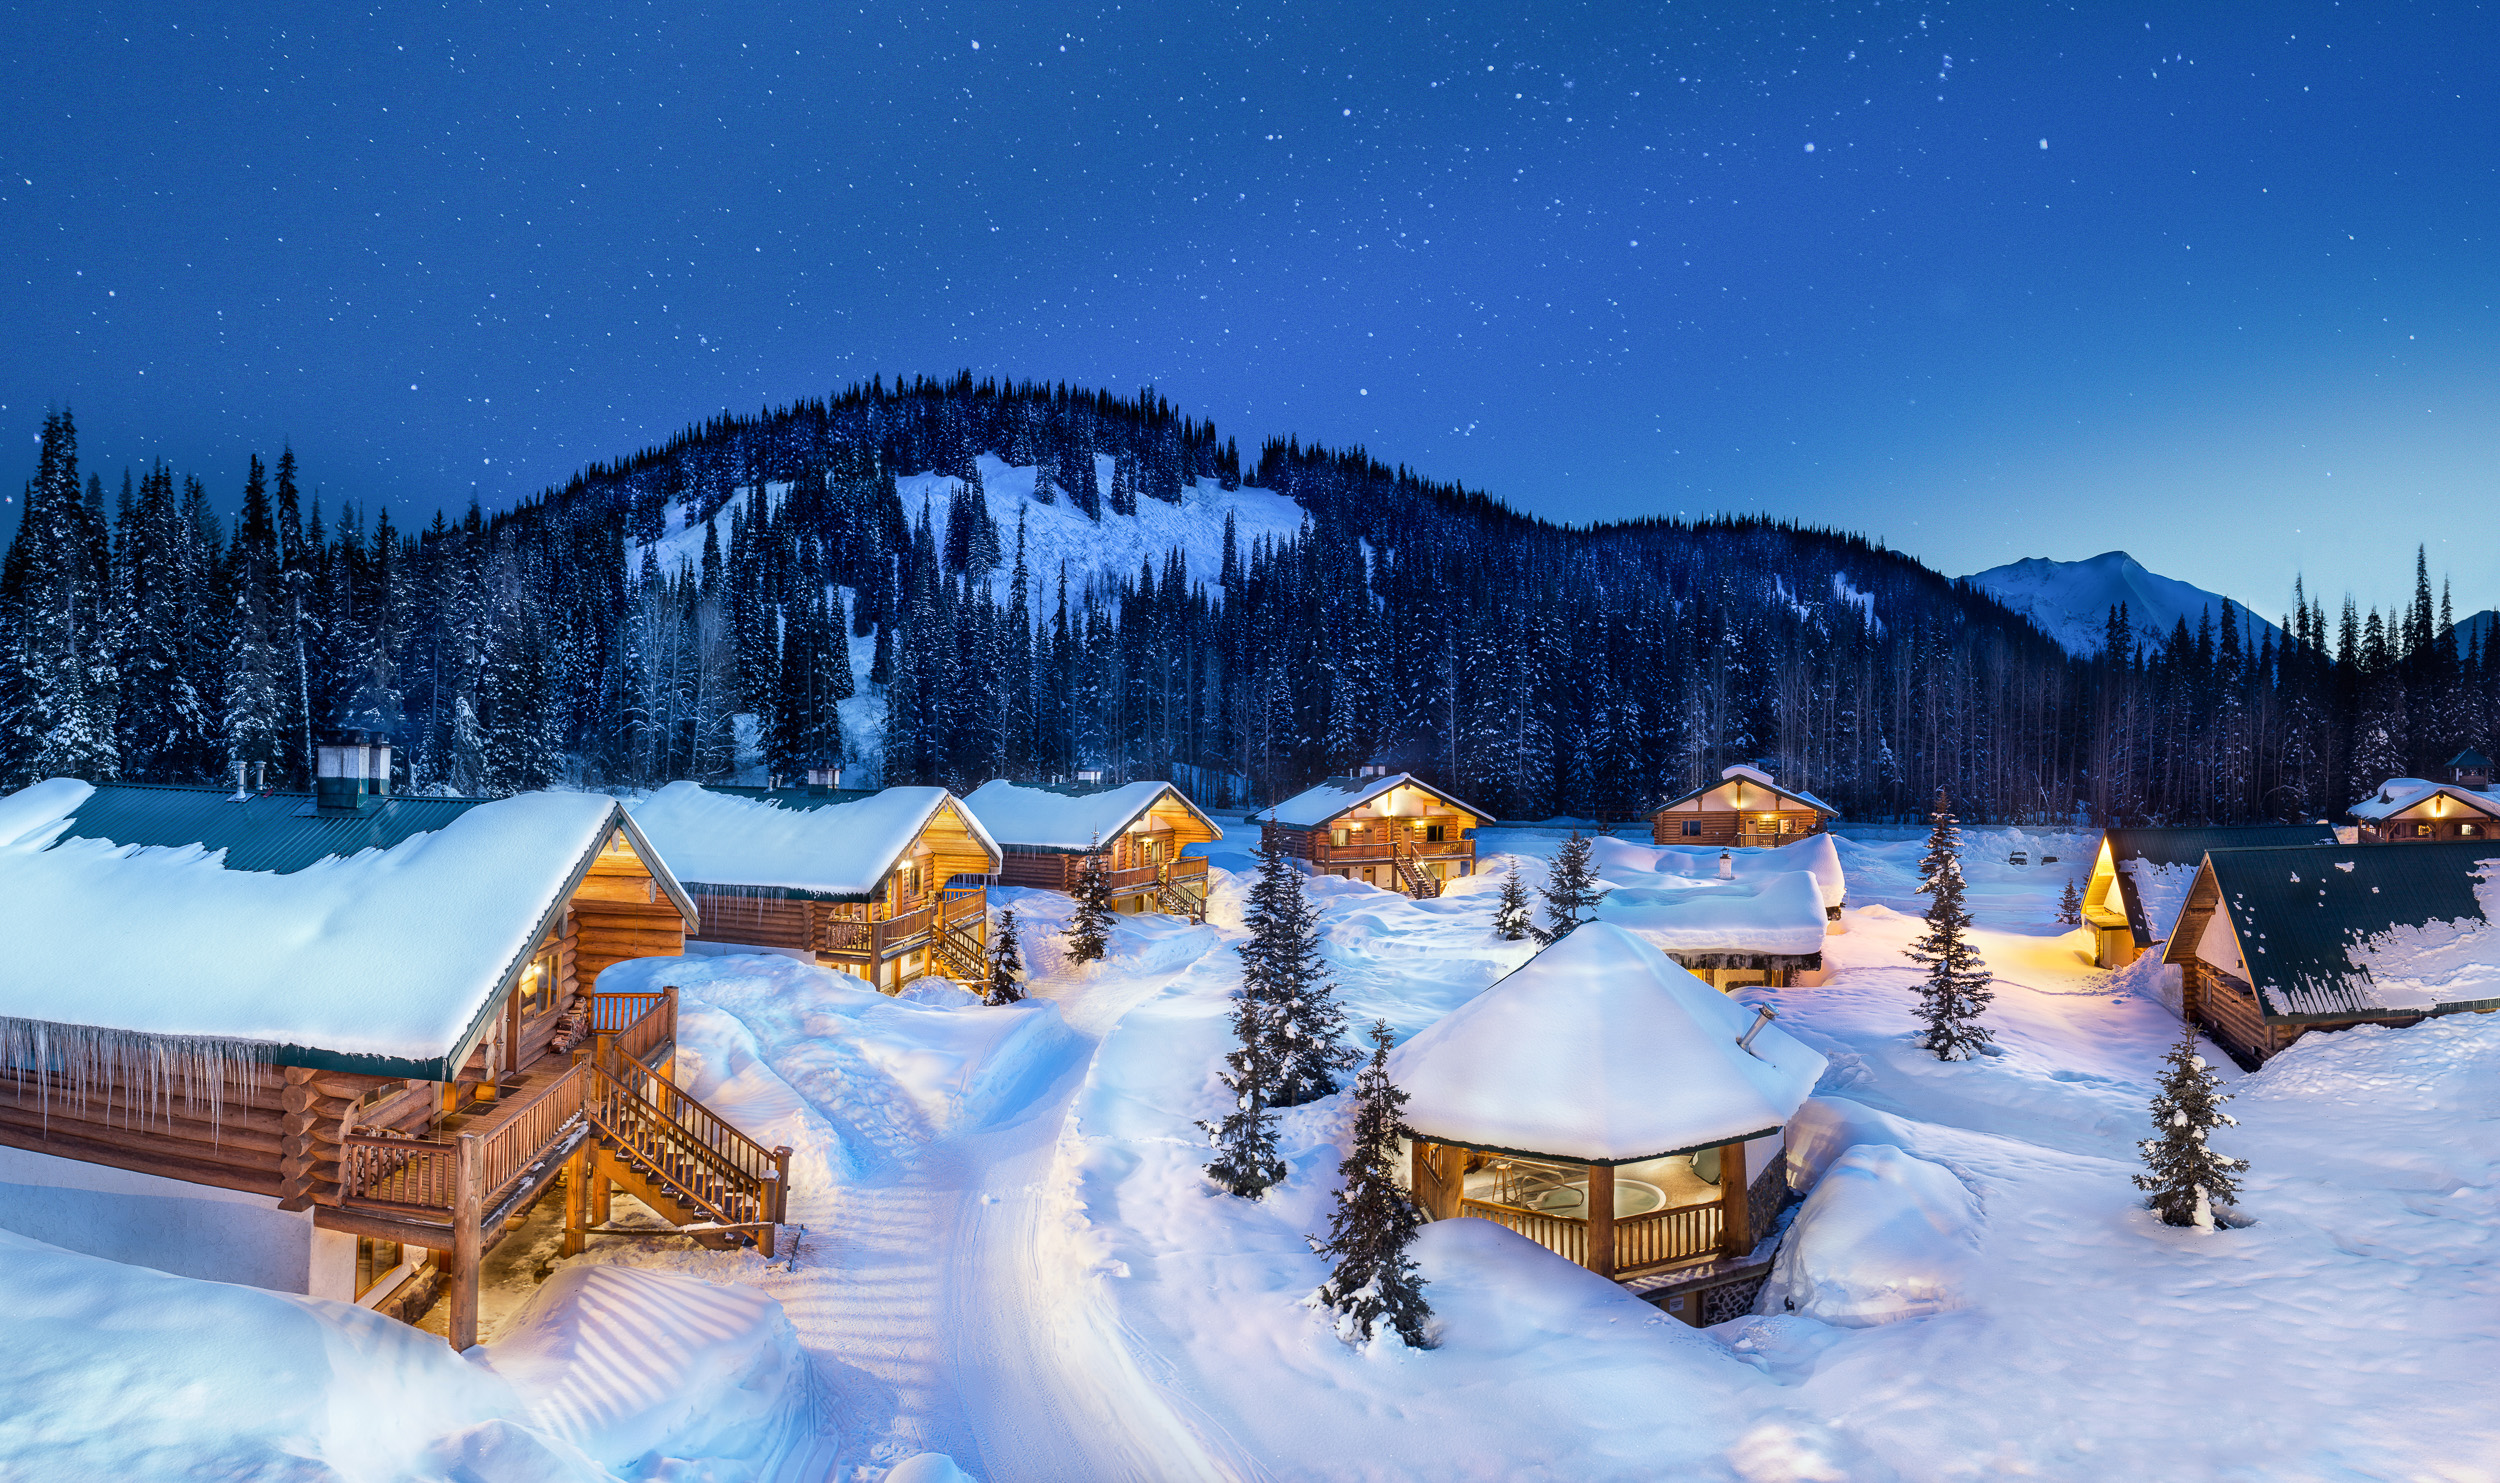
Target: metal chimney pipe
(1762,1016)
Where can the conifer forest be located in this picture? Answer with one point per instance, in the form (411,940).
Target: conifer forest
(1540,669)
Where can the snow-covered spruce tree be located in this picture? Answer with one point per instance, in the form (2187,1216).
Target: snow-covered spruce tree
(1570,891)
(1246,1162)
(1375,1282)
(2188,1180)
(1511,920)
(2070,905)
(1006,962)
(1089,930)
(1281,965)
(1956,989)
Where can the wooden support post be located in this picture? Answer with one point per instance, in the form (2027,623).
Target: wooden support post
(468,1163)
(1601,1258)
(1735,1216)
(576,1200)
(781,1184)
(598,1192)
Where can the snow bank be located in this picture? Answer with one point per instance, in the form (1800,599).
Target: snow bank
(1041,819)
(125,1373)
(262,956)
(1827,1127)
(1600,1049)
(842,851)
(640,1369)
(1886,1235)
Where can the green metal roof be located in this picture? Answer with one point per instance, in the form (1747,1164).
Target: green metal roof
(2189,847)
(277,832)
(2305,918)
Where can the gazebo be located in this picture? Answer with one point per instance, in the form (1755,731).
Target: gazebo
(1608,1105)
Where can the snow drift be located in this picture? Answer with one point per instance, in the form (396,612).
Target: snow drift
(1886,1235)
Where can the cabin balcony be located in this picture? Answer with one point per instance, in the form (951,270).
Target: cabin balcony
(1187,871)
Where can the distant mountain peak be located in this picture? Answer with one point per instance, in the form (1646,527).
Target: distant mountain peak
(2070,600)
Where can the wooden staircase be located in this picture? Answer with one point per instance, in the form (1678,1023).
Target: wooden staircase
(961,940)
(1179,900)
(1411,877)
(681,1159)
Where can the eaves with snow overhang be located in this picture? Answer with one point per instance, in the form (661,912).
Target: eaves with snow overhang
(843,851)
(184,921)
(1741,776)
(2165,849)
(1048,819)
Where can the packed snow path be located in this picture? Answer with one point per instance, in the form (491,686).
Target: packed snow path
(936,1287)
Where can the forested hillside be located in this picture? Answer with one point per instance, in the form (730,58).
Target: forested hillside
(613,631)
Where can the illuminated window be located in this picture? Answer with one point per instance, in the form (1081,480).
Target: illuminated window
(537,990)
(1337,836)
(375,1260)
(2422,831)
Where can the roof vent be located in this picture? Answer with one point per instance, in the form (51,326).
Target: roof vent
(1763,1015)
(352,774)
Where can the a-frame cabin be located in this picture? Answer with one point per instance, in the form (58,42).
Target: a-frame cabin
(1389,829)
(886,886)
(1140,831)
(330,1044)
(1744,807)
(2274,944)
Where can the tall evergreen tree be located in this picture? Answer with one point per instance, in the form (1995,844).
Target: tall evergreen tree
(1511,918)
(1281,967)
(1247,1162)
(2189,1182)
(1956,989)
(1374,1283)
(1089,931)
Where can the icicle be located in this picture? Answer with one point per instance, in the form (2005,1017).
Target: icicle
(143,1074)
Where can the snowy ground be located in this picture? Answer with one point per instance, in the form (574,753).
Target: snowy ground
(1010,1258)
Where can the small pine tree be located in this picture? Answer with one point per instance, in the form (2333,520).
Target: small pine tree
(1511,920)
(1570,891)
(2070,905)
(1956,988)
(1089,931)
(1006,962)
(1281,965)
(2188,1180)
(1375,1281)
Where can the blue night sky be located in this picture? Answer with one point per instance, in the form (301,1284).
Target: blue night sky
(1987,281)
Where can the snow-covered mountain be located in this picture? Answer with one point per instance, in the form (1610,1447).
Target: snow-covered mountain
(2070,600)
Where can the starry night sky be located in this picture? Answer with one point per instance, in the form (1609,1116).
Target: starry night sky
(1987,281)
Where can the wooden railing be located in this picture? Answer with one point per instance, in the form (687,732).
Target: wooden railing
(850,937)
(904,930)
(420,1176)
(1566,1238)
(637,1024)
(416,1175)
(1379,849)
(685,1147)
(1661,1238)
(1134,879)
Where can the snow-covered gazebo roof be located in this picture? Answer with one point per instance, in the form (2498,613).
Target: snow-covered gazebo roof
(840,852)
(1024,817)
(1600,1051)
(1777,915)
(172,920)
(1622,863)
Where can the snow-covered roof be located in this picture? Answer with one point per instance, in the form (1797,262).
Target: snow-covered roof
(1771,915)
(2386,929)
(2155,867)
(840,852)
(1622,863)
(1755,775)
(389,953)
(2397,795)
(1020,816)
(1318,804)
(1600,1050)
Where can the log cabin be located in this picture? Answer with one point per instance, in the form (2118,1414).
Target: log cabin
(1141,831)
(1389,829)
(2140,877)
(2419,811)
(1744,807)
(2275,943)
(886,886)
(1617,1111)
(335,1044)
